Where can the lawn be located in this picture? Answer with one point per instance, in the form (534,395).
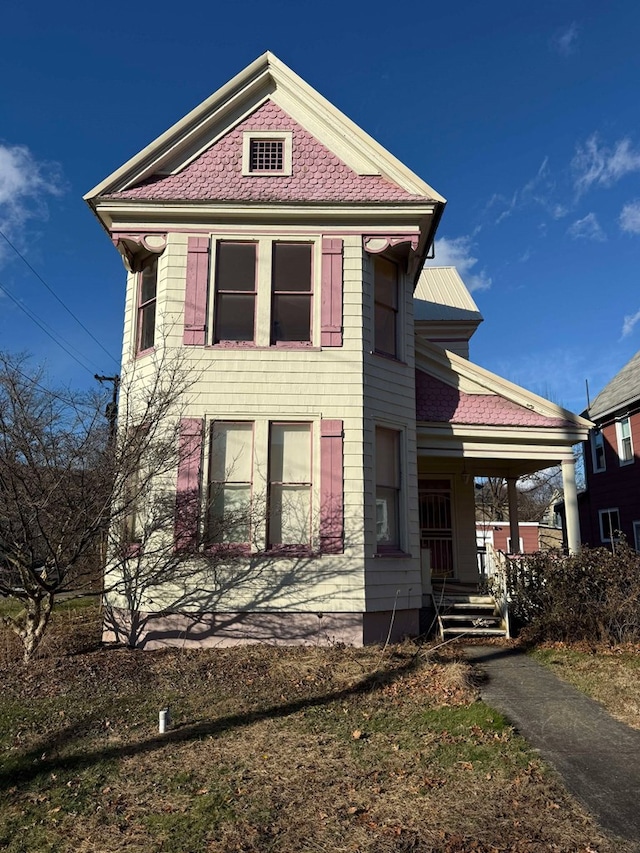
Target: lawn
(289,750)
(611,676)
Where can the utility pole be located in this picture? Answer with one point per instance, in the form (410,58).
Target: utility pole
(111,411)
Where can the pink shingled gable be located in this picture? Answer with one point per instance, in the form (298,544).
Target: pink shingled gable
(437,402)
(316,174)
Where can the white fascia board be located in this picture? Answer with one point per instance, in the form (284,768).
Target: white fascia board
(493,383)
(340,134)
(119,214)
(266,76)
(489,433)
(180,134)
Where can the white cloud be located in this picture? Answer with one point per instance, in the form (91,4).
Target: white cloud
(587,228)
(630,217)
(595,163)
(565,40)
(537,190)
(25,185)
(630,321)
(456,252)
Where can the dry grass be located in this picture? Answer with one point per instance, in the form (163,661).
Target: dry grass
(611,676)
(289,750)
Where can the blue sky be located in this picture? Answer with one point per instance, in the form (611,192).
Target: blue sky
(524,116)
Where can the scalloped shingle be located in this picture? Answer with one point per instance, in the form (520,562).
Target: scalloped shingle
(437,402)
(317,174)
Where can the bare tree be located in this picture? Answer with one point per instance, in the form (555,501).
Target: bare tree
(536,493)
(84,509)
(69,489)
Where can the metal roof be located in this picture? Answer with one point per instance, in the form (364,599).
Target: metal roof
(441,294)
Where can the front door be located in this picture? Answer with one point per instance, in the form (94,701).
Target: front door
(436,526)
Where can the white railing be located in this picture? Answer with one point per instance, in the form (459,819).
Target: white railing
(495,576)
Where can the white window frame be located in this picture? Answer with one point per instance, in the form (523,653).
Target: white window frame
(596,440)
(263,306)
(621,439)
(401,547)
(601,514)
(285,136)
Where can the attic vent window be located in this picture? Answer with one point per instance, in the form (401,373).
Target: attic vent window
(266,153)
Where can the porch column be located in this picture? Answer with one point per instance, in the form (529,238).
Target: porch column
(571,505)
(514,527)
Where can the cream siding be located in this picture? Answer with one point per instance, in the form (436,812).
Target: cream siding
(389,401)
(276,384)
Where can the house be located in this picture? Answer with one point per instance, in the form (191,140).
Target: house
(281,250)
(610,503)
(532,536)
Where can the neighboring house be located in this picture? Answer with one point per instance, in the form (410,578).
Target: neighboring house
(282,250)
(610,505)
(533,536)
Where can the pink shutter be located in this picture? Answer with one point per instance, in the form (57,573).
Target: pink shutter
(331,311)
(331,488)
(195,300)
(188,486)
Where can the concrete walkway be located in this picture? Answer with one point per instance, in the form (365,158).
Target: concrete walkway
(597,757)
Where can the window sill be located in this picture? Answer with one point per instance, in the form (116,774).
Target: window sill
(387,357)
(249,345)
(227,549)
(289,551)
(393,553)
(141,353)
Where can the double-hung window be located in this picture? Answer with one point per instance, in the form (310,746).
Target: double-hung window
(597,451)
(263,292)
(289,521)
(386,306)
(235,292)
(147,291)
(609,525)
(388,483)
(291,292)
(230,483)
(625,443)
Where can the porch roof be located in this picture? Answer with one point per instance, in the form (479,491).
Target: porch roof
(439,402)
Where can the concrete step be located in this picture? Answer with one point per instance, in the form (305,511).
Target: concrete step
(473,632)
(469,617)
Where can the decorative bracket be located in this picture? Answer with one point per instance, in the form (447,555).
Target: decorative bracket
(138,250)
(376,243)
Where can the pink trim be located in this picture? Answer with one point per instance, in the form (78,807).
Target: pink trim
(331,487)
(376,243)
(286,345)
(331,309)
(195,300)
(188,484)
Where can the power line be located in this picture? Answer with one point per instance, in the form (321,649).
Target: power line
(73,403)
(30,314)
(55,295)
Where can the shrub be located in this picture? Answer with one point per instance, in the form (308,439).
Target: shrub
(592,596)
